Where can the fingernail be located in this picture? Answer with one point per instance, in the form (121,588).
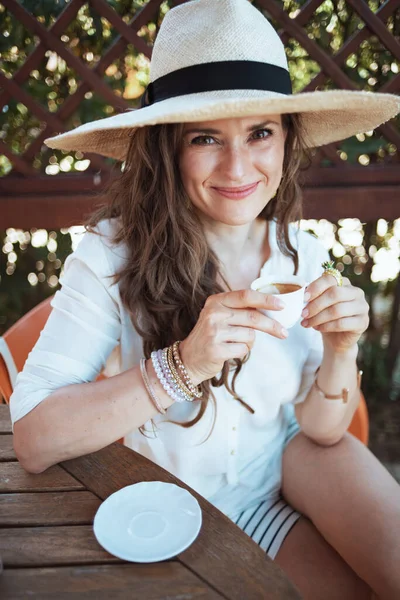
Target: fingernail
(284,332)
(304,313)
(304,323)
(307,296)
(279,303)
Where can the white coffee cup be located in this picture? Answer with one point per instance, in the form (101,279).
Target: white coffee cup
(294,301)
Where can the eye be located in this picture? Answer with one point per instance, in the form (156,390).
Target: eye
(262,134)
(202,140)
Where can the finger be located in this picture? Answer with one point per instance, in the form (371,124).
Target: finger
(250,299)
(337,311)
(255,319)
(261,323)
(235,350)
(355,324)
(324,282)
(243,335)
(329,298)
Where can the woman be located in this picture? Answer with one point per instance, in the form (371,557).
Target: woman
(237,410)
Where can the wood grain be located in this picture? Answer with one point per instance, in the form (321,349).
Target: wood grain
(51,508)
(13,478)
(222,554)
(160,581)
(5,419)
(47,549)
(50,546)
(6,448)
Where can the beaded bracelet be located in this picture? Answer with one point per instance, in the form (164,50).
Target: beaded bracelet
(186,396)
(176,375)
(163,380)
(168,375)
(196,391)
(149,387)
(157,367)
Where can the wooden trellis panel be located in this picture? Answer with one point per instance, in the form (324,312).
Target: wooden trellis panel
(30,198)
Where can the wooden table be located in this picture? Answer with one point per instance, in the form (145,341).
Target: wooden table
(49,550)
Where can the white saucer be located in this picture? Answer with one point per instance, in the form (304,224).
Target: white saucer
(148,521)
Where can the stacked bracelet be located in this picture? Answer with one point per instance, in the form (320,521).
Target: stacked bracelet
(173,375)
(182,394)
(165,378)
(167,365)
(160,374)
(197,392)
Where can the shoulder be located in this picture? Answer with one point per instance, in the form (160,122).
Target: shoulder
(98,251)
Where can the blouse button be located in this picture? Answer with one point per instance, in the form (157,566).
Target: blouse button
(232,452)
(233,428)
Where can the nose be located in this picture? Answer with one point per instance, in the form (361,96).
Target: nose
(236,163)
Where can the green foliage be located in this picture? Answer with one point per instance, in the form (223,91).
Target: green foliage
(22,263)
(89,36)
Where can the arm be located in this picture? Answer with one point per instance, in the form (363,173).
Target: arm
(340,314)
(58,410)
(326,421)
(82,418)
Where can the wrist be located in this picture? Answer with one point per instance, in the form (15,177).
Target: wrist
(194,378)
(350,354)
(155,382)
(344,395)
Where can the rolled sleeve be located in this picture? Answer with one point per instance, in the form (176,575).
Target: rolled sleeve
(82,330)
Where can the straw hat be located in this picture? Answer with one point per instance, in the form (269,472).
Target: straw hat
(216,59)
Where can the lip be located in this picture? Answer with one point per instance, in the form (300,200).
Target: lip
(237,192)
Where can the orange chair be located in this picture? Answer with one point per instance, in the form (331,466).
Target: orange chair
(359,425)
(19,340)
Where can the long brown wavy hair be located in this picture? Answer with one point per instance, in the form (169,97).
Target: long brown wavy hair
(171,270)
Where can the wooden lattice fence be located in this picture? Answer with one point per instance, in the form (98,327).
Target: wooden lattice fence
(335,187)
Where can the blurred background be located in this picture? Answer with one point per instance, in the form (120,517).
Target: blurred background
(63,63)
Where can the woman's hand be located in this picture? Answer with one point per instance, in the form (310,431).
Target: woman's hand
(340,313)
(226,329)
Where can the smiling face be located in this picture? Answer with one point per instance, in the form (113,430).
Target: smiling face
(231,168)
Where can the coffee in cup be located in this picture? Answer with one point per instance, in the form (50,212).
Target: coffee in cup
(280,288)
(290,290)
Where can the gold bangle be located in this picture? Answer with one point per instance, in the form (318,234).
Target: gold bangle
(196,391)
(188,397)
(176,376)
(149,388)
(344,396)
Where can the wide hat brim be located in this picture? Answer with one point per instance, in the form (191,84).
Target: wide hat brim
(327,116)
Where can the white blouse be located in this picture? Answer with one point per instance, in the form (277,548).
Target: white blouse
(239,462)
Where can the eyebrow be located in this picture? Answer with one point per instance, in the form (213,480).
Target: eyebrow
(217,131)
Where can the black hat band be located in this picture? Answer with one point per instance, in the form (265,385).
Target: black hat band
(216,76)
